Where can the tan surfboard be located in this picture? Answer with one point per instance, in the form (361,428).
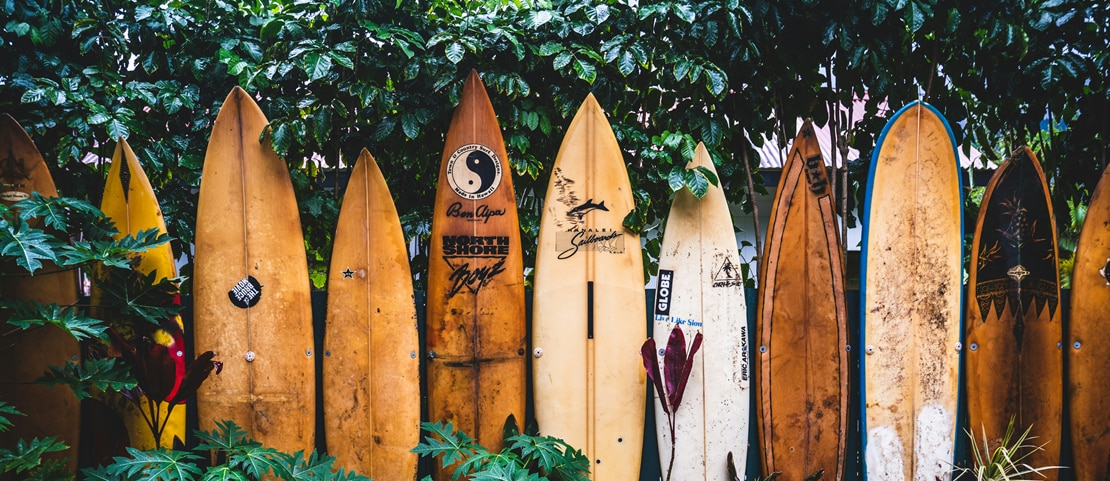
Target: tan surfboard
(588,318)
(1014,335)
(251,288)
(475,320)
(911,278)
(701,289)
(371,364)
(130,202)
(802,322)
(25,355)
(1088,341)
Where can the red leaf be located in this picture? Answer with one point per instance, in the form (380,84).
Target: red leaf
(674,358)
(687,368)
(651,364)
(198,371)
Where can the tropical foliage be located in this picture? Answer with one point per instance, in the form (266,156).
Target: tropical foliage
(334,77)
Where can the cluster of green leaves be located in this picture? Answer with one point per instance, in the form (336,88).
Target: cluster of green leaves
(334,77)
(225,453)
(25,459)
(526,457)
(1008,460)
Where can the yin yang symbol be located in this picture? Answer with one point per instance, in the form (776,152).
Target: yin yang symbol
(473,171)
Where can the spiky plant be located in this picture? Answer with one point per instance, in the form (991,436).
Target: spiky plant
(1006,462)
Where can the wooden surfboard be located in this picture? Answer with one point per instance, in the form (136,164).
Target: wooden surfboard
(371,364)
(130,202)
(251,287)
(1014,361)
(911,299)
(802,324)
(475,319)
(701,289)
(25,355)
(1088,341)
(588,304)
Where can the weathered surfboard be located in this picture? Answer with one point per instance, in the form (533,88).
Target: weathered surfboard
(1013,326)
(475,337)
(911,299)
(371,364)
(588,304)
(701,289)
(130,202)
(1088,341)
(251,287)
(25,355)
(802,324)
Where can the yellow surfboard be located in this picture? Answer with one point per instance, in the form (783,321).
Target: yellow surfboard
(130,202)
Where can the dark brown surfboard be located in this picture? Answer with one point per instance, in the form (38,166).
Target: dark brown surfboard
(25,355)
(1013,327)
(802,324)
(475,320)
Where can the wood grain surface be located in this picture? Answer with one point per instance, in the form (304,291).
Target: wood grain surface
(802,324)
(475,337)
(371,364)
(251,286)
(1013,326)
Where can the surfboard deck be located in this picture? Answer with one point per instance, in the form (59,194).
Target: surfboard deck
(588,303)
(1087,341)
(802,322)
(371,364)
(1013,326)
(701,289)
(251,286)
(911,299)
(130,202)
(475,336)
(25,355)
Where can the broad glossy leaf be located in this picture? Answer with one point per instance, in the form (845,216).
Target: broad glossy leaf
(674,358)
(651,365)
(687,368)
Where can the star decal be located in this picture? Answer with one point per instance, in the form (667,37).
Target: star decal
(348,274)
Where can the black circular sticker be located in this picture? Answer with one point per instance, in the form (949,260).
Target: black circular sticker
(246,293)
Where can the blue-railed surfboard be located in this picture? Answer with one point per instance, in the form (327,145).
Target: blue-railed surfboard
(911,289)
(701,289)
(588,304)
(802,324)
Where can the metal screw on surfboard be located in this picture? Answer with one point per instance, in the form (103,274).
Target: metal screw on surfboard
(250,356)
(308,352)
(762,349)
(537,352)
(412,354)
(848,348)
(431,354)
(870,349)
(974,347)
(959,346)
(1076,345)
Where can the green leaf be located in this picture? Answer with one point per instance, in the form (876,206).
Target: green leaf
(455,52)
(165,465)
(697,183)
(627,63)
(224,472)
(684,12)
(443,441)
(104,375)
(7,410)
(27,455)
(708,174)
(227,436)
(551,48)
(257,460)
(676,178)
(317,66)
(536,18)
(562,60)
(271,29)
(117,129)
(26,314)
(26,245)
(342,60)
(18,28)
(585,71)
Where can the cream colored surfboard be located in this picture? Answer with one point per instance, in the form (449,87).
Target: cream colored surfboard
(700,289)
(911,299)
(588,318)
(251,288)
(371,363)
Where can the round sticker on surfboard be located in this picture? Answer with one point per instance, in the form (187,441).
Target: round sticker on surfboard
(473,171)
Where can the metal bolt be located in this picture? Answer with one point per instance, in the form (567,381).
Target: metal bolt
(308,352)
(327,353)
(870,349)
(431,354)
(412,354)
(520,352)
(974,347)
(959,346)
(1076,345)
(762,349)
(537,352)
(848,347)
(250,356)
(1059,345)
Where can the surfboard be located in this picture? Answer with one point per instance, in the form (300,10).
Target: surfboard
(1088,349)
(588,309)
(130,202)
(251,287)
(25,354)
(475,336)
(1013,326)
(802,322)
(911,299)
(371,364)
(701,289)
